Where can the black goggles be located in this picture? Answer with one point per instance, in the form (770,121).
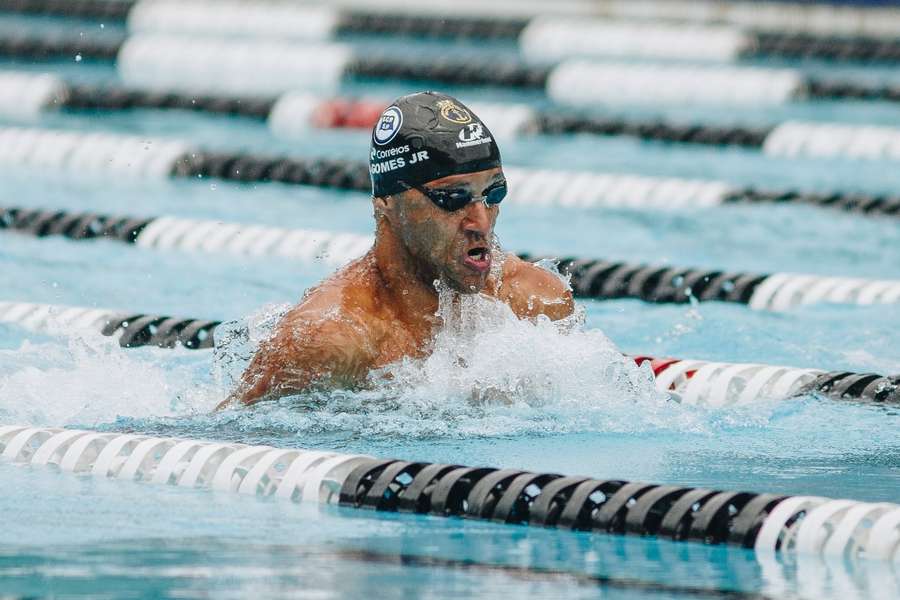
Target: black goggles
(453,199)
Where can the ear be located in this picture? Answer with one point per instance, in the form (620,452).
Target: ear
(382,205)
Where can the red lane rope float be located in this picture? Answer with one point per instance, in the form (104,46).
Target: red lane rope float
(658,365)
(692,381)
(339,113)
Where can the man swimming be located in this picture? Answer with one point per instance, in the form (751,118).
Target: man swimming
(437,184)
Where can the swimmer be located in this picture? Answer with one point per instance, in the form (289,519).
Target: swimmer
(437,185)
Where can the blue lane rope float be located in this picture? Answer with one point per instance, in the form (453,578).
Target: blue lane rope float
(141,157)
(544,36)
(699,382)
(590,278)
(767,523)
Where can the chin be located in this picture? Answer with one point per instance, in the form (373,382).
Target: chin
(467,285)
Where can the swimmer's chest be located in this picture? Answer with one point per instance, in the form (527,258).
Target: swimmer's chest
(395,340)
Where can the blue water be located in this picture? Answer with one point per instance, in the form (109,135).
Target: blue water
(77,535)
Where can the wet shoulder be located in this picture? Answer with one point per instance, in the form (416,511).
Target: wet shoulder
(531,290)
(342,303)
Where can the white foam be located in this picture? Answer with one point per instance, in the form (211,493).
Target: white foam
(89,380)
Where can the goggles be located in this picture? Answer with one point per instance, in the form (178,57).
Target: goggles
(453,199)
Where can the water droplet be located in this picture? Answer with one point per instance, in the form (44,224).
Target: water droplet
(212,186)
(78,57)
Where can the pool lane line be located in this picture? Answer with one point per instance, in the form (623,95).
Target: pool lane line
(443,18)
(589,278)
(545,36)
(701,382)
(767,523)
(255,67)
(101,153)
(542,574)
(293,114)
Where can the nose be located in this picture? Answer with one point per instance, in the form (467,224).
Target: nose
(479,219)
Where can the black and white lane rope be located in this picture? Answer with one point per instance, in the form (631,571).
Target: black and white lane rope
(546,36)
(292,114)
(252,66)
(147,158)
(554,38)
(132,330)
(440,18)
(590,278)
(767,523)
(696,382)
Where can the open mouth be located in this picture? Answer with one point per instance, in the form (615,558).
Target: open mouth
(478,258)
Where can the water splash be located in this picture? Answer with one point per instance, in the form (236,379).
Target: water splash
(488,374)
(89,380)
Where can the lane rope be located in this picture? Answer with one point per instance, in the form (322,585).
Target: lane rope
(292,113)
(252,66)
(553,38)
(868,39)
(590,278)
(767,523)
(695,382)
(147,157)
(430,19)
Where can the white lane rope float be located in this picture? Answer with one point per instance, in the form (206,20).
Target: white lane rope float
(100,153)
(695,382)
(589,278)
(766,523)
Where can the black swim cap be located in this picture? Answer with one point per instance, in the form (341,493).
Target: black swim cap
(425,136)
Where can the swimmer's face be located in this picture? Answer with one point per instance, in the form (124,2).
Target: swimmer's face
(454,247)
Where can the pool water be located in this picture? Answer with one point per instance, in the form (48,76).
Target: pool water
(568,410)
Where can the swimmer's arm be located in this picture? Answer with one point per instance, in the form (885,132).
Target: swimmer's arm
(302,355)
(533,291)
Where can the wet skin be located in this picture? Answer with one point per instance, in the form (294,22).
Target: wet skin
(381,307)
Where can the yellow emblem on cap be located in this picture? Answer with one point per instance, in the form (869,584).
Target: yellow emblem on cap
(453,112)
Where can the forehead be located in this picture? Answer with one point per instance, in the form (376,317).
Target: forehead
(467,178)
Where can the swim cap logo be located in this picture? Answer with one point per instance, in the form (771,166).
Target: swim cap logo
(454,112)
(471,132)
(472,135)
(388,125)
